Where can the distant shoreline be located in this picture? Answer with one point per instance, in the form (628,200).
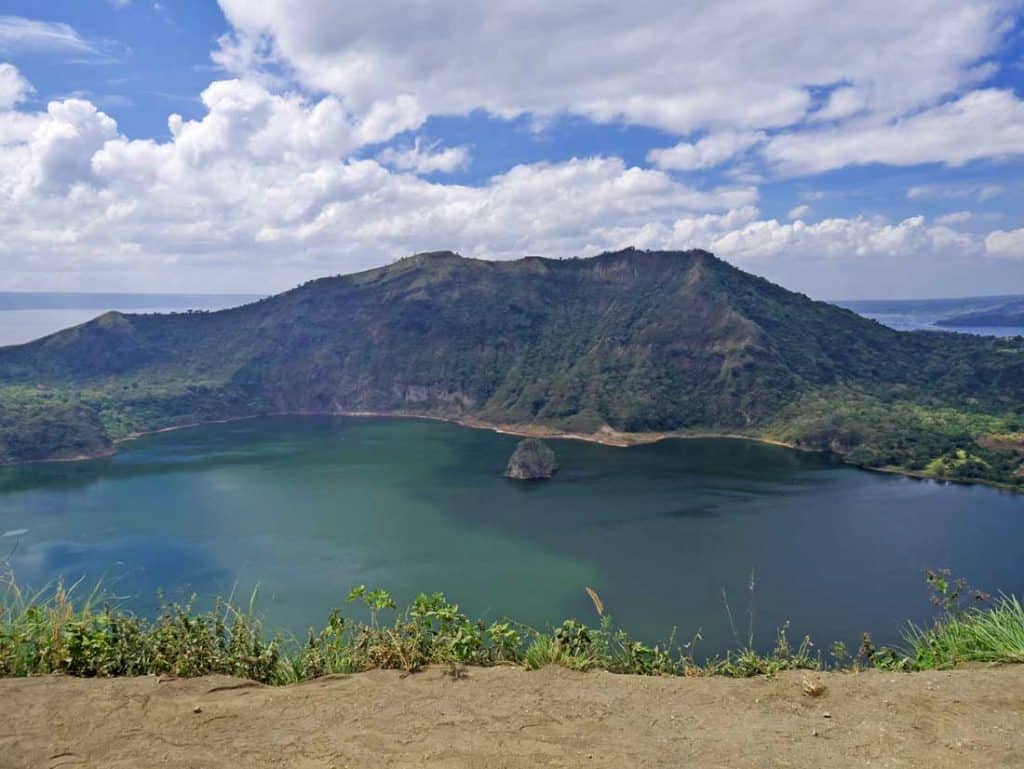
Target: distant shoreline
(606,437)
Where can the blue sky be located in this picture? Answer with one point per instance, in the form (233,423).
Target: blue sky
(866,152)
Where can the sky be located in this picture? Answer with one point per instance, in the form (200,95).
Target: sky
(855,150)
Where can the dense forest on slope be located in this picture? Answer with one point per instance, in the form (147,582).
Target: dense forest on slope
(631,341)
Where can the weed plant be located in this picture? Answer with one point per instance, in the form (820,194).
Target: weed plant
(64,630)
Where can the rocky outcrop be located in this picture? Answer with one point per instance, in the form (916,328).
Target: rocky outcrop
(531,461)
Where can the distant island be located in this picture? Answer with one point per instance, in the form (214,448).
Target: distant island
(625,347)
(1008,314)
(532,460)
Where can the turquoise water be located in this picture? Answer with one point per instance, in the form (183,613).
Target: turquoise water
(307,507)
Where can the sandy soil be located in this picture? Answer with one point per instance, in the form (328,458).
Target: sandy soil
(508,717)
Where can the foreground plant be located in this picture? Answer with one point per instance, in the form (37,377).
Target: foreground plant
(52,632)
(984,630)
(42,634)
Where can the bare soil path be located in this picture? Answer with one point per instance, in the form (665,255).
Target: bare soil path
(508,717)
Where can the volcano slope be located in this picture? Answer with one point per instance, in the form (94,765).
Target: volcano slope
(622,347)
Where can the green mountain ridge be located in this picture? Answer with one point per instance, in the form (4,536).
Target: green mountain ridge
(635,342)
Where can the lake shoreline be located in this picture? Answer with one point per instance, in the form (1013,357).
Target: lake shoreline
(605,437)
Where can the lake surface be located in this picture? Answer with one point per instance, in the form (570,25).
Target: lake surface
(924,314)
(307,507)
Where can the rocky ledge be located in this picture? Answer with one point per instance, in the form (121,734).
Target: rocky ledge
(532,460)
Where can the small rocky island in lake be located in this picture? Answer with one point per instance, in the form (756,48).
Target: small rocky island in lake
(531,461)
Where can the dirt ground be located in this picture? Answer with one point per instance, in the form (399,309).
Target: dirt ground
(508,717)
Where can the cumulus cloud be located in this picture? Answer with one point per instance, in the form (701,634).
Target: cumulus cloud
(273,183)
(839,238)
(266,189)
(956,217)
(842,103)
(723,73)
(272,179)
(1006,243)
(681,66)
(13,87)
(987,123)
(62,147)
(710,151)
(425,160)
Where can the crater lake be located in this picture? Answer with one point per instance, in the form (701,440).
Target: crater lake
(301,509)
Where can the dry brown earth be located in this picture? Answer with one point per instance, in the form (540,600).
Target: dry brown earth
(508,717)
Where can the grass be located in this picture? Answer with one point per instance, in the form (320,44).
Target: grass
(51,632)
(66,631)
(993,634)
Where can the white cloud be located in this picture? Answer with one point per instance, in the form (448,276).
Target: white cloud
(1006,243)
(987,123)
(837,257)
(13,87)
(681,66)
(21,34)
(727,73)
(982,192)
(62,148)
(425,160)
(956,217)
(264,187)
(263,191)
(270,185)
(842,103)
(838,238)
(386,118)
(710,151)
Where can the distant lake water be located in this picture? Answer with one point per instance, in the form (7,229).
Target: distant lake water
(924,314)
(307,507)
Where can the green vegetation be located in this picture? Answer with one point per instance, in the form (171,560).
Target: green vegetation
(635,341)
(995,634)
(942,442)
(52,632)
(41,634)
(972,633)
